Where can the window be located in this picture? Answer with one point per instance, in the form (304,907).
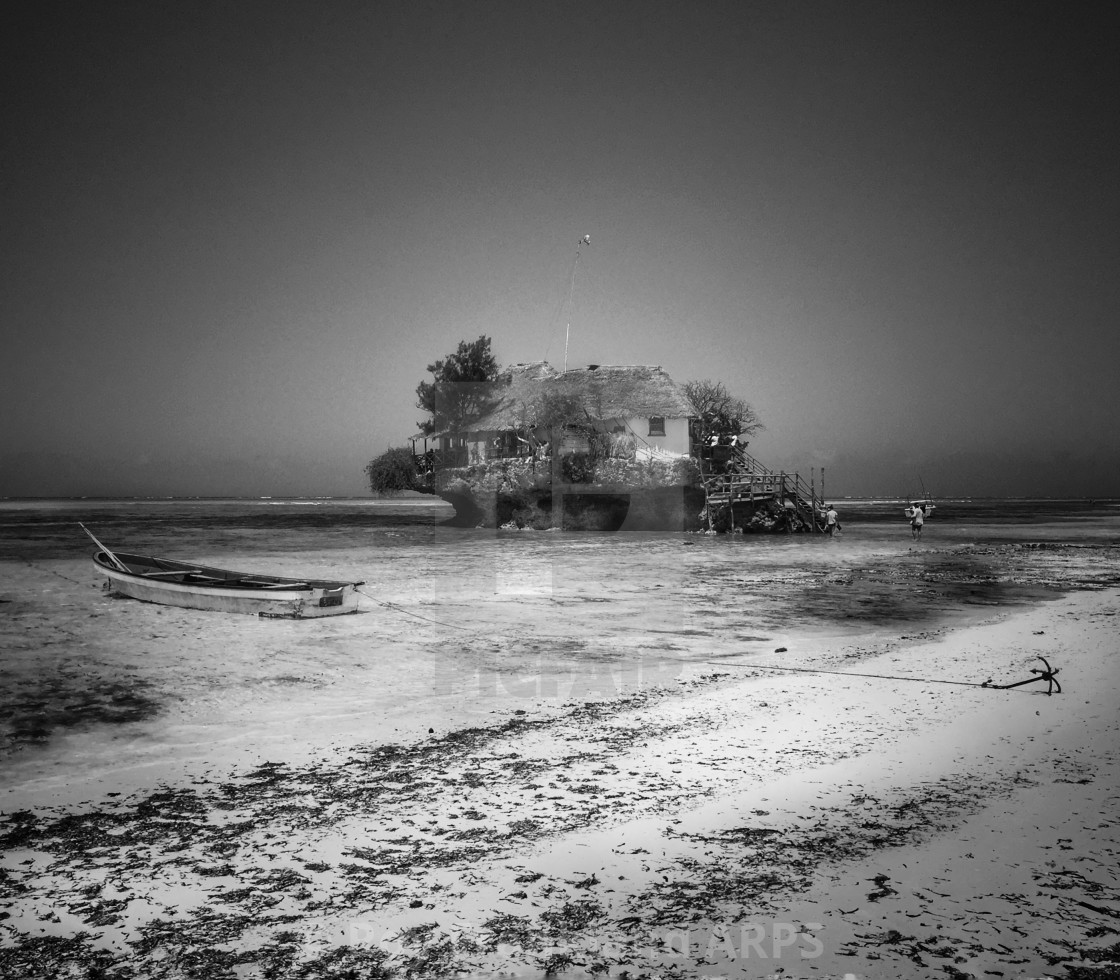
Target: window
(656,425)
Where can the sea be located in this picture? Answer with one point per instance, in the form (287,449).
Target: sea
(462,627)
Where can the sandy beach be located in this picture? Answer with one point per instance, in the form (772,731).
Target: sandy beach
(621,490)
(881,815)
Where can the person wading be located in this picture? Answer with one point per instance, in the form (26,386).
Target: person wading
(917,519)
(831,520)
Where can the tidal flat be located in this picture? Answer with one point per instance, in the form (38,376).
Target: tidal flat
(555,755)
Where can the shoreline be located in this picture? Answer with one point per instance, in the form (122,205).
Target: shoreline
(585,837)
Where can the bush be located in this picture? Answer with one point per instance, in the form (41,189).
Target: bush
(394,471)
(578,467)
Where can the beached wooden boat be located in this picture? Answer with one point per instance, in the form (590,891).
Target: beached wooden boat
(193,586)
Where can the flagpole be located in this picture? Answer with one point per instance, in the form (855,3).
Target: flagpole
(586,240)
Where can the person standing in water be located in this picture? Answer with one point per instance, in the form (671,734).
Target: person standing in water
(831,520)
(917,519)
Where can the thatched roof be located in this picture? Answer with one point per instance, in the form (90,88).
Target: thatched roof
(605,391)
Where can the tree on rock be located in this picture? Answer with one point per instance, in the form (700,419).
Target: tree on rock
(394,472)
(461,388)
(720,411)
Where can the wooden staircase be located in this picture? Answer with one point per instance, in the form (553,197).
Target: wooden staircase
(732,476)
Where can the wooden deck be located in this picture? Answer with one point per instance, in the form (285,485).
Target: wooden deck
(731,476)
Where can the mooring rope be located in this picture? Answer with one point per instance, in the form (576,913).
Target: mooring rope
(45,571)
(408,612)
(713,663)
(453,626)
(847,673)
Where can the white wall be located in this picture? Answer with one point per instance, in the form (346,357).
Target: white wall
(675,439)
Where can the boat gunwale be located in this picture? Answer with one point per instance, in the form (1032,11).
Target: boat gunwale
(265,586)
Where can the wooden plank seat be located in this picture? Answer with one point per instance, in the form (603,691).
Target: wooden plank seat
(172,571)
(274,585)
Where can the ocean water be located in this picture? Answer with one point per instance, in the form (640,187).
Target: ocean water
(48,528)
(461,627)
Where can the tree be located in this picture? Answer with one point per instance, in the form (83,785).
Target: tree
(393,472)
(460,389)
(560,410)
(721,411)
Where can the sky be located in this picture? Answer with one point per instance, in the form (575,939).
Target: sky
(235,234)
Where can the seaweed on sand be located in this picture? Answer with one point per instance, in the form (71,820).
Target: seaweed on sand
(66,699)
(513,930)
(435,955)
(748,867)
(572,917)
(1110,971)
(49,957)
(172,803)
(82,832)
(200,948)
(556,963)
(207,927)
(219,837)
(101,912)
(22,827)
(525,828)
(345,963)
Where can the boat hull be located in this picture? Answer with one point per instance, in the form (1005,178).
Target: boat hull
(173,583)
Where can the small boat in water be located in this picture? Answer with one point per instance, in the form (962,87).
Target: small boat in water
(926,506)
(193,586)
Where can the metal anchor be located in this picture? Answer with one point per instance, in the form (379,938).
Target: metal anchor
(1047,675)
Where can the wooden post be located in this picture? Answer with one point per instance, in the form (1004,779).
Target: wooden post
(813,497)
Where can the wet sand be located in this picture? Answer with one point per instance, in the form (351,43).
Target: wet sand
(652,817)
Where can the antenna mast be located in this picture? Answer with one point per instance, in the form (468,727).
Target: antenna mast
(586,240)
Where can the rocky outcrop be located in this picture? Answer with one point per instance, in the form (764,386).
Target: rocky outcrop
(582,509)
(608,494)
(577,493)
(765,515)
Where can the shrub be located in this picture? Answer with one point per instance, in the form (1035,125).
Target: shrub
(394,471)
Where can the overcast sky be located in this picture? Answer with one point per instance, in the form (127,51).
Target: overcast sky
(236,233)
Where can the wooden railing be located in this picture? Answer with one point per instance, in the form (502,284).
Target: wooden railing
(438,459)
(732,475)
